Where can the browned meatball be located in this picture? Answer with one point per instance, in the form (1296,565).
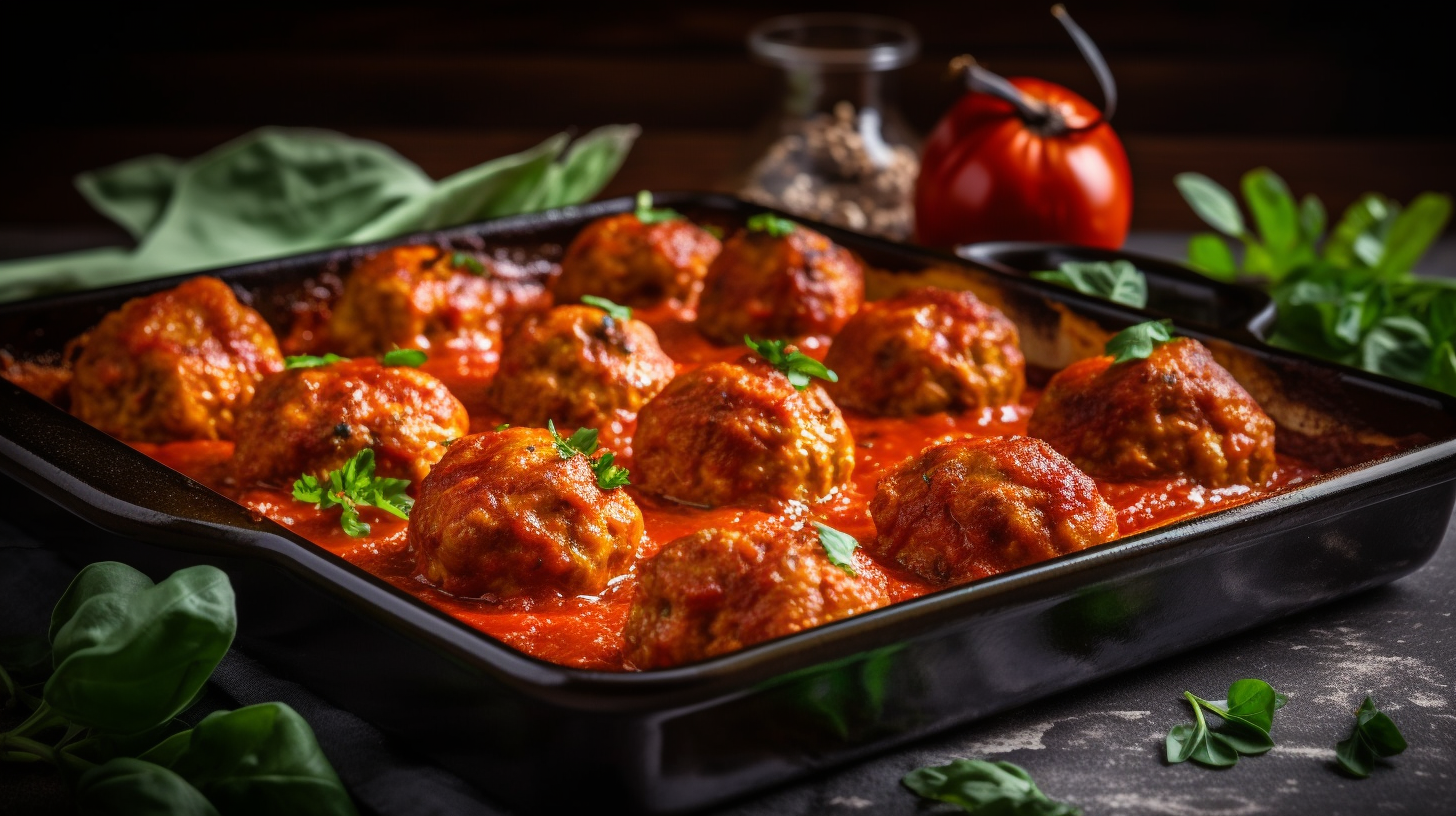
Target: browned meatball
(1176,413)
(504,515)
(717,591)
(176,365)
(976,507)
(924,352)
(636,264)
(312,420)
(580,367)
(797,285)
(729,432)
(415,297)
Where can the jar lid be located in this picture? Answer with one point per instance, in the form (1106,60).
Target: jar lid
(864,42)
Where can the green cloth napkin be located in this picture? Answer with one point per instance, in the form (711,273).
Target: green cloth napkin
(280,191)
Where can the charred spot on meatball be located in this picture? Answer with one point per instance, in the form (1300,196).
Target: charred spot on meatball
(976,507)
(766,285)
(927,351)
(1177,413)
(504,515)
(719,590)
(176,365)
(732,432)
(624,260)
(577,365)
(313,420)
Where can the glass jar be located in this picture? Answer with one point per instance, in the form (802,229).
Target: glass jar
(838,149)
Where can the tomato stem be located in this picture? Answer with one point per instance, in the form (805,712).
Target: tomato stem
(1093,55)
(1032,111)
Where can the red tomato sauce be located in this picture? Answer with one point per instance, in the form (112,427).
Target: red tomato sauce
(586,632)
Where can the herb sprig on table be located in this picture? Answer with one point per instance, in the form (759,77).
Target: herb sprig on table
(977,786)
(129,656)
(1375,735)
(1247,716)
(352,486)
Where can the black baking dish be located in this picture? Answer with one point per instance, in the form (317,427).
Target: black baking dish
(685,738)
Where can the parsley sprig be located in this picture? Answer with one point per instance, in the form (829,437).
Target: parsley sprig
(795,364)
(771,224)
(977,786)
(1137,342)
(413,358)
(1375,735)
(838,546)
(1247,715)
(584,442)
(616,311)
(353,486)
(647,215)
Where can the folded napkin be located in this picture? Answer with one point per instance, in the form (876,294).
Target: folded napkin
(280,191)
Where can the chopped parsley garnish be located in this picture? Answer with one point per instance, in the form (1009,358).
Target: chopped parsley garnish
(977,786)
(310,361)
(771,224)
(503,426)
(468,262)
(1247,715)
(584,442)
(1117,281)
(795,364)
(838,546)
(353,486)
(1137,342)
(617,312)
(413,358)
(647,215)
(1375,735)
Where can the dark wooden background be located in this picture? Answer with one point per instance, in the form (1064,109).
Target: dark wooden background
(1337,100)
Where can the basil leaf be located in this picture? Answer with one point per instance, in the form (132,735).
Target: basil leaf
(1137,342)
(1360,217)
(1397,346)
(310,361)
(1311,219)
(771,224)
(1210,254)
(839,547)
(133,787)
(1117,281)
(1273,208)
(1211,202)
(128,656)
(613,310)
(262,759)
(1251,702)
(983,787)
(1412,233)
(1244,739)
(411,358)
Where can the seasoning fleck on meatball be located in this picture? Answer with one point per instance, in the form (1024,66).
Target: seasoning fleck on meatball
(730,432)
(794,285)
(313,420)
(976,507)
(504,515)
(1176,413)
(416,297)
(927,351)
(719,590)
(579,366)
(636,264)
(172,366)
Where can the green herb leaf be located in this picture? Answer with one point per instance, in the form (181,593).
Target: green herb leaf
(262,759)
(1375,735)
(988,788)
(133,787)
(352,486)
(647,215)
(1274,210)
(130,655)
(1412,233)
(1247,716)
(839,547)
(619,313)
(1210,254)
(795,364)
(713,230)
(1311,219)
(503,426)
(310,361)
(771,224)
(1137,342)
(584,442)
(1117,281)
(411,358)
(1361,218)
(468,262)
(1214,204)
(608,475)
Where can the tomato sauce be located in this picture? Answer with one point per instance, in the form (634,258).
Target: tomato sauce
(586,632)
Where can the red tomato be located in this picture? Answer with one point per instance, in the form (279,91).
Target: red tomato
(988,175)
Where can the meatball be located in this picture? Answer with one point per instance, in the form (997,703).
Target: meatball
(796,285)
(717,591)
(415,297)
(504,515)
(729,432)
(636,264)
(176,365)
(1176,413)
(313,420)
(579,366)
(976,507)
(924,352)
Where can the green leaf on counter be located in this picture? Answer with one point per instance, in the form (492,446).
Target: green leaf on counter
(987,788)
(1375,736)
(1117,281)
(1247,716)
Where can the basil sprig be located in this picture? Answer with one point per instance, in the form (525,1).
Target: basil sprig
(838,546)
(1247,716)
(1137,342)
(795,364)
(129,657)
(1117,281)
(1375,735)
(353,486)
(977,786)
